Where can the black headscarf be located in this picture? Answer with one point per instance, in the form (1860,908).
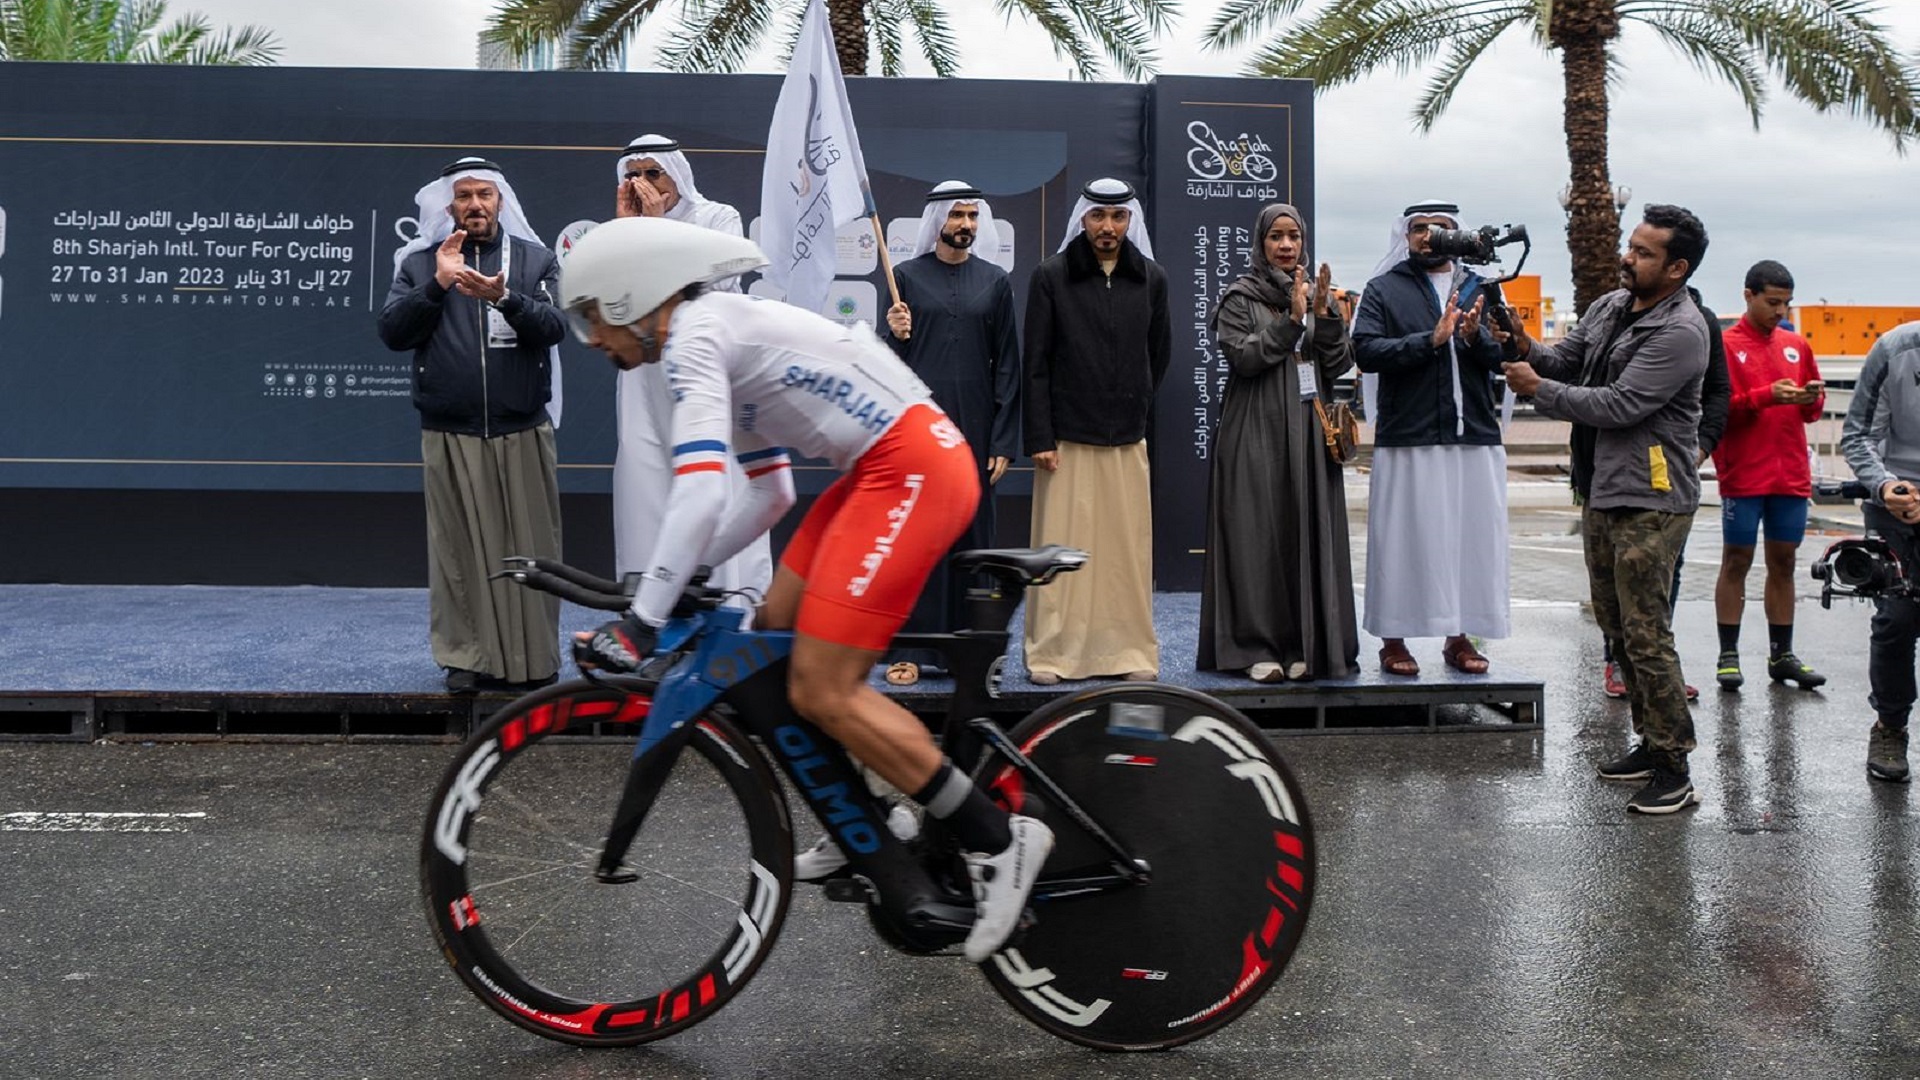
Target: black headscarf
(1263,282)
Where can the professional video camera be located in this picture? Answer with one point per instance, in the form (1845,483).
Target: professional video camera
(1476,247)
(1859,567)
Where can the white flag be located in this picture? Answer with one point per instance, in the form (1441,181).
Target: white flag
(815,180)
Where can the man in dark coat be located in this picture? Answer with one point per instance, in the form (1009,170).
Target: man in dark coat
(472,299)
(954,326)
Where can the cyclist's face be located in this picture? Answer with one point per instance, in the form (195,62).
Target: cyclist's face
(620,343)
(1106,226)
(1283,243)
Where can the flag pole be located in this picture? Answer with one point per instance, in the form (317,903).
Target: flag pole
(880,238)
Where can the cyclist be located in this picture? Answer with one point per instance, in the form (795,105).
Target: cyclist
(752,377)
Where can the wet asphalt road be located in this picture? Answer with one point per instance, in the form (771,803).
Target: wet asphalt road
(1486,907)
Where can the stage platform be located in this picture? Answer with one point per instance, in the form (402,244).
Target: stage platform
(187,661)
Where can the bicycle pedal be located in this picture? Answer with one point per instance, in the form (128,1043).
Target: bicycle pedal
(848,890)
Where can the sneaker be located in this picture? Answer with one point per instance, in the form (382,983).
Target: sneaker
(1638,764)
(1789,668)
(1611,683)
(1666,792)
(1726,671)
(825,859)
(1887,753)
(1002,883)
(1693,692)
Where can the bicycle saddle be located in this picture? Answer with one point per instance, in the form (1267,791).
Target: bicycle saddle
(1027,566)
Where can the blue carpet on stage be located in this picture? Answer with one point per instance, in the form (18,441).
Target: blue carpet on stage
(315,640)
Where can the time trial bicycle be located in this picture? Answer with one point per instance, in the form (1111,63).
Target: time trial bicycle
(608,861)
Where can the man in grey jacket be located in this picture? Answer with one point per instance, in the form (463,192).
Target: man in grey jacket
(1882,442)
(1628,377)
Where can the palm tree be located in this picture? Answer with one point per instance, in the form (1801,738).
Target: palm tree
(719,35)
(1828,53)
(124,32)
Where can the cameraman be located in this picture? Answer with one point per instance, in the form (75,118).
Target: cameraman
(1882,442)
(1632,370)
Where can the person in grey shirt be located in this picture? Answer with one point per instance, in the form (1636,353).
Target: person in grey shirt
(1881,440)
(1628,377)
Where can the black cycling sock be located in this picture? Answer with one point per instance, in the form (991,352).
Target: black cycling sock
(1779,639)
(1729,637)
(974,819)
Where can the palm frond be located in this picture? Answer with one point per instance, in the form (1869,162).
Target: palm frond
(1830,54)
(937,42)
(885,19)
(1717,49)
(524,26)
(1239,21)
(1345,43)
(598,39)
(1060,32)
(716,35)
(249,46)
(1461,56)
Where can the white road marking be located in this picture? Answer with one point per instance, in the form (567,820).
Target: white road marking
(124,821)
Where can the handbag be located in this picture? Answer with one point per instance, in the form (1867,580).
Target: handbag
(1340,429)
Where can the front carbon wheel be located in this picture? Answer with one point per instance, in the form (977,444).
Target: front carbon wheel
(515,832)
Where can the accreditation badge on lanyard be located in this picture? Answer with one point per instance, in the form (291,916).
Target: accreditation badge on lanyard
(1309,385)
(500,332)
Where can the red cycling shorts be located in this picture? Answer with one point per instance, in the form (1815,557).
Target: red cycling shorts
(870,541)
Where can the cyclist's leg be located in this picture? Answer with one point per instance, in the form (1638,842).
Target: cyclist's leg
(910,497)
(828,686)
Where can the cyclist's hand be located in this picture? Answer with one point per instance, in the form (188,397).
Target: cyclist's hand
(618,647)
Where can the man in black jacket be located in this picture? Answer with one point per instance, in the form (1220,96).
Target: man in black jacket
(1098,341)
(472,297)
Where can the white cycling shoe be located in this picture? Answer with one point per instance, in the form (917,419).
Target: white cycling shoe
(825,859)
(1002,883)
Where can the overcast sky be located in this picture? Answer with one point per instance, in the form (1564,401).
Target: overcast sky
(1824,194)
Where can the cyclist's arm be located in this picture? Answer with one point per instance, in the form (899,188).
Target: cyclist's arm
(702,426)
(769,495)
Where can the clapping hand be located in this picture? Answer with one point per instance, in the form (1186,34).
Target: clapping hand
(448,262)
(1323,291)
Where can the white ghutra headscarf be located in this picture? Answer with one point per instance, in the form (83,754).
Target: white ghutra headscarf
(666,153)
(433,209)
(940,203)
(1110,192)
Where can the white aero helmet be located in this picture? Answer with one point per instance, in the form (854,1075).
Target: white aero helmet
(629,266)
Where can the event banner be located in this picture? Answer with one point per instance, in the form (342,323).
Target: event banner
(1223,148)
(189,292)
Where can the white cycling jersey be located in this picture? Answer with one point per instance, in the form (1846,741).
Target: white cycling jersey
(752,378)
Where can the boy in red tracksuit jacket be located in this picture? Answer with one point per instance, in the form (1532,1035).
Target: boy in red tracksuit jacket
(1763,471)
